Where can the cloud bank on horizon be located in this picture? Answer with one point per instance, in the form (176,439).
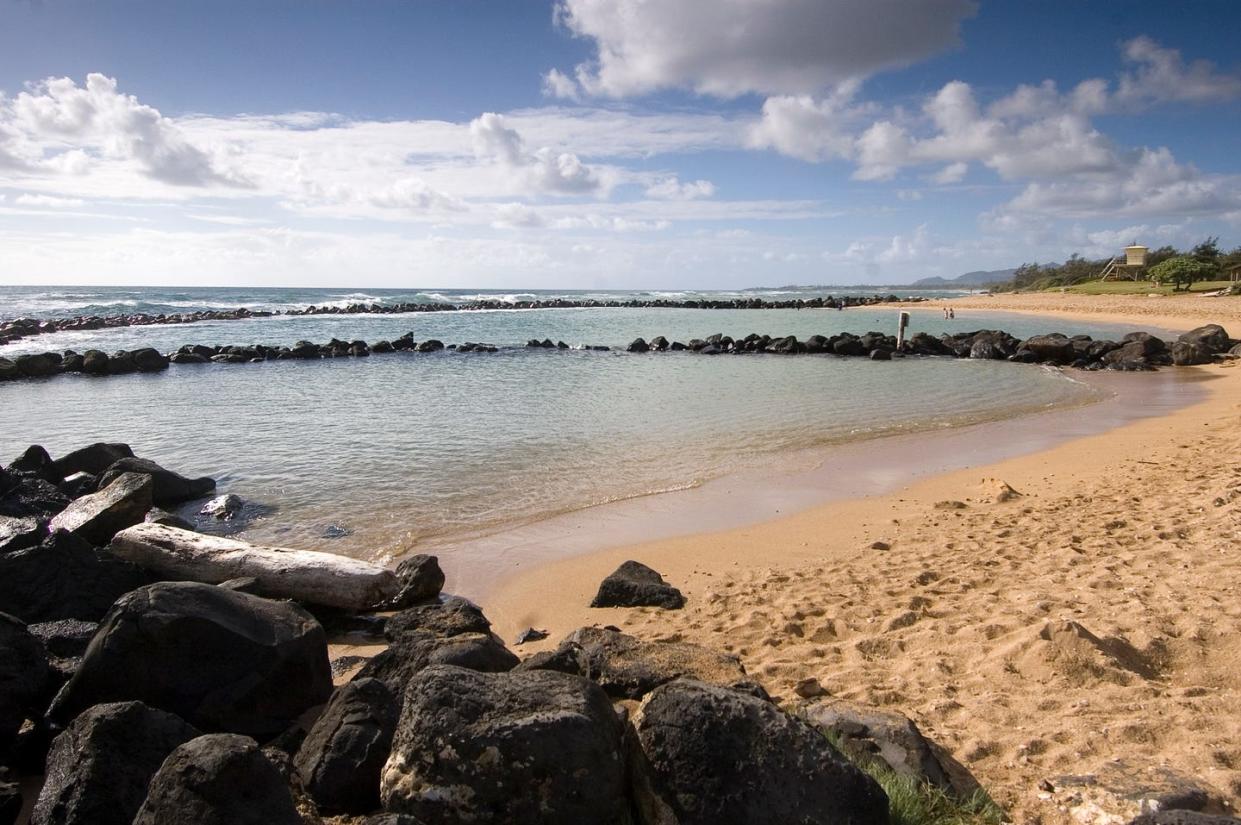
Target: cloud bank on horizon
(695,144)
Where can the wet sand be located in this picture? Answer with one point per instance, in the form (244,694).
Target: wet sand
(1092,617)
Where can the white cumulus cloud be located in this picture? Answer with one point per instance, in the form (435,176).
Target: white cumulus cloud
(732,47)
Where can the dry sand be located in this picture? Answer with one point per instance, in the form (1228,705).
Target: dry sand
(1095,616)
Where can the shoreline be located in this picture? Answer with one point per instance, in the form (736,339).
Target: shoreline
(795,482)
(976,617)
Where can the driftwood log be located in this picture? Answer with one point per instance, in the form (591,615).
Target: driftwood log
(301,575)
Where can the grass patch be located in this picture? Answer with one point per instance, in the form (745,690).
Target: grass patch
(1136,288)
(913,802)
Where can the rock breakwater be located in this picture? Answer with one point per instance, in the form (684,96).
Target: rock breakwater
(18,328)
(1135,352)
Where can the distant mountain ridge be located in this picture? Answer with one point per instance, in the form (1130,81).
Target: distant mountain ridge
(978,277)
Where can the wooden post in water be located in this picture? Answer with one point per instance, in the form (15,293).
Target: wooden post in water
(900,331)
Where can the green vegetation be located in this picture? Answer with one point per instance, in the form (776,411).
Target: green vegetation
(1167,270)
(1182,271)
(911,802)
(1137,287)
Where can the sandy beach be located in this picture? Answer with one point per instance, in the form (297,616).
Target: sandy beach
(1042,616)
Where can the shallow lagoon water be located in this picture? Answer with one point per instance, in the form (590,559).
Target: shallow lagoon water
(409,451)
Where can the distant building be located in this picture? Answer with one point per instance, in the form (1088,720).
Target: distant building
(1128,267)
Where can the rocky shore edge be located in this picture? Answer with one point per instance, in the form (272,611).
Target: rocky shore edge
(18,328)
(151,674)
(1135,352)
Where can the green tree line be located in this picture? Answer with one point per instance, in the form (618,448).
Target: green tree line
(1167,264)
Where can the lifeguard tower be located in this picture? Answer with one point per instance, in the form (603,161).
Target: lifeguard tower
(1127,267)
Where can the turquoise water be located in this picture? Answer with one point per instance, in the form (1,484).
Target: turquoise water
(406,451)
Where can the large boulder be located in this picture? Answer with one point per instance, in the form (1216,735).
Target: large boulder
(421,578)
(99,768)
(100,516)
(23,496)
(36,462)
(415,651)
(38,365)
(96,362)
(219,779)
(451,617)
(340,760)
(1213,338)
(147,359)
(707,754)
(868,734)
(66,641)
(23,676)
(633,584)
(629,668)
(93,458)
(221,660)
(170,487)
(1189,354)
(502,748)
(20,533)
(64,578)
(1050,349)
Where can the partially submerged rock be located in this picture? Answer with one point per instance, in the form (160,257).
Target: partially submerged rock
(302,575)
(503,748)
(220,779)
(221,660)
(168,487)
(99,768)
(635,585)
(707,754)
(222,507)
(94,459)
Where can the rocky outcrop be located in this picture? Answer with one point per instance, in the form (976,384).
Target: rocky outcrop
(778,768)
(340,760)
(629,668)
(420,578)
(414,651)
(99,768)
(219,779)
(168,487)
(222,508)
(221,660)
(451,617)
(502,748)
(633,584)
(64,578)
(23,676)
(303,575)
(20,533)
(100,516)
(869,734)
(93,458)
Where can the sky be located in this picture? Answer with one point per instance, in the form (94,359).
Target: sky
(606,143)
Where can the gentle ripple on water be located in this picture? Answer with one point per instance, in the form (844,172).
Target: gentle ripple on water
(408,449)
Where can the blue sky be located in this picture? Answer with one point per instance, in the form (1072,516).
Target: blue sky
(606,143)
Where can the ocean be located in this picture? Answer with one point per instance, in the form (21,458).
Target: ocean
(400,453)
